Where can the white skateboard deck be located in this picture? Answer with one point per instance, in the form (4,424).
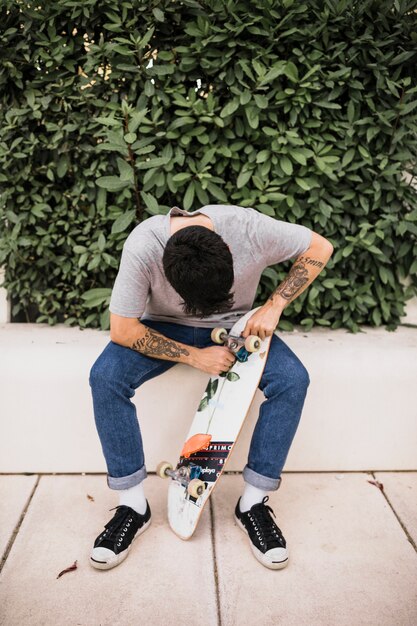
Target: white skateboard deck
(221,413)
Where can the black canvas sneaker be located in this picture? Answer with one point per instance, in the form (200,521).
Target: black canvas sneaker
(113,545)
(267,541)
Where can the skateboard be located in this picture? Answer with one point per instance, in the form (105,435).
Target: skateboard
(215,428)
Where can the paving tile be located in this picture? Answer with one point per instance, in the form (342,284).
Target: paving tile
(401,490)
(162,582)
(350,561)
(15,492)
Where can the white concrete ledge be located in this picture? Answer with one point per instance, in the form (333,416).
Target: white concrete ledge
(360,412)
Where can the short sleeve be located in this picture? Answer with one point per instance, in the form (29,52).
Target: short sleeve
(275,241)
(131,287)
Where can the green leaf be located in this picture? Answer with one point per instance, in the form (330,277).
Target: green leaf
(40,209)
(151,163)
(277,70)
(384,274)
(151,202)
(245,97)
(285,325)
(407,108)
(181,177)
(96,297)
(217,192)
(207,158)
(62,166)
(348,157)
(229,108)
(146,38)
(252,116)
(126,170)
(112,147)
(286,165)
(403,56)
(101,242)
(351,111)
(159,15)
(189,196)
(262,102)
(136,119)
(130,137)
(299,157)
(325,104)
(123,50)
(276,196)
(123,221)
(107,121)
(364,152)
(303,183)
(262,156)
(112,183)
(232,376)
(105,320)
(181,121)
(243,178)
(291,71)
(376,317)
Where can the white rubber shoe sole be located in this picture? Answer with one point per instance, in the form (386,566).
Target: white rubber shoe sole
(277,558)
(104,558)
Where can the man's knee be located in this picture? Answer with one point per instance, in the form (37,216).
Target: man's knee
(290,374)
(109,366)
(98,372)
(302,375)
(296,375)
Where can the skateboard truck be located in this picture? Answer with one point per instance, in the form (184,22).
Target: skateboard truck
(240,346)
(186,475)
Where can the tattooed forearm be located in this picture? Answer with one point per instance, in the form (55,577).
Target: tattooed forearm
(309,261)
(154,344)
(296,279)
(302,273)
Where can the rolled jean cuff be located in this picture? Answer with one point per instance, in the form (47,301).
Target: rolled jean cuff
(124,482)
(261,482)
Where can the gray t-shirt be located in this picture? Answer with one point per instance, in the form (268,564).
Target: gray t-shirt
(255,241)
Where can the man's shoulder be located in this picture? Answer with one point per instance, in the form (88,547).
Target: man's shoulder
(141,239)
(151,224)
(228,211)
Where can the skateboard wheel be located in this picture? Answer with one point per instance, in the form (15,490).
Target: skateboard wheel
(161,469)
(218,335)
(196,487)
(252,343)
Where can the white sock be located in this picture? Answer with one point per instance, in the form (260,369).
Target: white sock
(252,495)
(134,497)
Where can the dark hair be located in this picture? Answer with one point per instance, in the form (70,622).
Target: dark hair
(199,266)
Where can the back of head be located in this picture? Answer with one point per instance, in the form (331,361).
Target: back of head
(199,266)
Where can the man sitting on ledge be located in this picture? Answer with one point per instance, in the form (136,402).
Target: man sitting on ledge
(181,275)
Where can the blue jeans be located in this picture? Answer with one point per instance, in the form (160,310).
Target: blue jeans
(119,371)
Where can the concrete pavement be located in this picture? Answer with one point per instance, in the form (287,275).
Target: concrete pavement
(353,557)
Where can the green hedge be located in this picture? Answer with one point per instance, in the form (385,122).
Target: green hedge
(114,111)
